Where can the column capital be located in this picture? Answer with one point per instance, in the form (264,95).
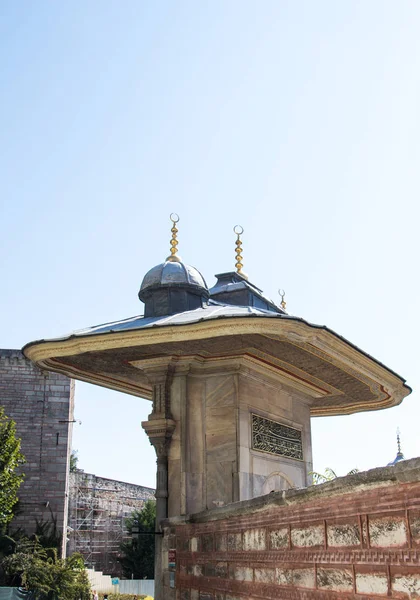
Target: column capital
(159,432)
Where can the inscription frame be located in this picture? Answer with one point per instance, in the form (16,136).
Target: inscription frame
(291,440)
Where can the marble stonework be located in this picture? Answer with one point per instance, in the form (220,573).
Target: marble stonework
(211,461)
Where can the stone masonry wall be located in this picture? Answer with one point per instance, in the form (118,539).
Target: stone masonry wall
(357,537)
(41,404)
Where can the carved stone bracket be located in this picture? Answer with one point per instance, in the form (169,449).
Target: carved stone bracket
(159,432)
(159,372)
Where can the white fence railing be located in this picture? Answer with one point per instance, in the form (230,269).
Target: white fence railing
(137,586)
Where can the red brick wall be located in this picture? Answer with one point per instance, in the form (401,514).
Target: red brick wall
(358,537)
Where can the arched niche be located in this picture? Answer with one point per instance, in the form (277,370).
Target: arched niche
(276,482)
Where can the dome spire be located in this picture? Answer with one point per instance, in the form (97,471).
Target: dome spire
(282,294)
(400,455)
(238,229)
(174,241)
(399,443)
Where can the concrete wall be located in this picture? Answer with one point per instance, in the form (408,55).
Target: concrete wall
(98,508)
(356,537)
(41,404)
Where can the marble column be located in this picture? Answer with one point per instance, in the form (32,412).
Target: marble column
(159,427)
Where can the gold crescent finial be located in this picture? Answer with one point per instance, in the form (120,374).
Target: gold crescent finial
(174,241)
(238,229)
(282,294)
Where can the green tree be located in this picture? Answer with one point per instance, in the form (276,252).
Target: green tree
(10,459)
(74,461)
(138,555)
(42,572)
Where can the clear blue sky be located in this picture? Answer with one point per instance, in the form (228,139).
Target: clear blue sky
(298,120)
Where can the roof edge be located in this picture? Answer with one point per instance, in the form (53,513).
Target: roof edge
(130,332)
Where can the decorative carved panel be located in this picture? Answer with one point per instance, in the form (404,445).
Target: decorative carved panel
(276,438)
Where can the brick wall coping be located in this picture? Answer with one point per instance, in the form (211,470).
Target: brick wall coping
(407,471)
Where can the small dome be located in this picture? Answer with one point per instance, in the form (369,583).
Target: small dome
(172,287)
(397,459)
(171,273)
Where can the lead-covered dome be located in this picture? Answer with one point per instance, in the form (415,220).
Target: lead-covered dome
(170,273)
(172,287)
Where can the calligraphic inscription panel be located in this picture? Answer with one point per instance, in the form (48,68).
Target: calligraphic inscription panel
(276,438)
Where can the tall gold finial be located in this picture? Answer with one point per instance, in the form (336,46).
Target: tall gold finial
(174,241)
(282,294)
(238,229)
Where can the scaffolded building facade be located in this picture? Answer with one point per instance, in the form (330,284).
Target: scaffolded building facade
(98,509)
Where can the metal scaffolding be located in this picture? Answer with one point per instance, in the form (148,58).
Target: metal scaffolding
(97,517)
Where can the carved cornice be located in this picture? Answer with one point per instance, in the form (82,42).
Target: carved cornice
(388,387)
(142,389)
(257,362)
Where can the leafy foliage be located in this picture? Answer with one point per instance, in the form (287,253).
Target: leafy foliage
(7,545)
(47,533)
(74,461)
(40,570)
(138,555)
(328,475)
(10,459)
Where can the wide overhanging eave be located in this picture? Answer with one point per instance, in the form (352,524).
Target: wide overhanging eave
(32,350)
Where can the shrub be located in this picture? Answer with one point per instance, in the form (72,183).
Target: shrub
(41,571)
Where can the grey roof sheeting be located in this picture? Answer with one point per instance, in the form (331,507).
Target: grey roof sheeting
(214,310)
(234,288)
(228,287)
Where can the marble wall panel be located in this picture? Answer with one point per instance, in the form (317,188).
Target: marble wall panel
(195,492)
(219,484)
(174,485)
(221,391)
(195,423)
(255,468)
(268,397)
